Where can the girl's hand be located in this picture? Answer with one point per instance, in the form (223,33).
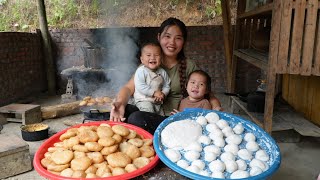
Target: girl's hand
(117,112)
(174,112)
(217,108)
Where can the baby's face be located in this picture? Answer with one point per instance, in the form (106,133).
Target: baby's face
(151,57)
(197,86)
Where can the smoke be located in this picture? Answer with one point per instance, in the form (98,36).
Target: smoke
(119,63)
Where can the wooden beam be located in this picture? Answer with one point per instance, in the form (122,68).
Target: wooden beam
(47,49)
(271,72)
(227,37)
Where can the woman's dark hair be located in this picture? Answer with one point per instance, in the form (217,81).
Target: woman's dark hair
(208,81)
(181,56)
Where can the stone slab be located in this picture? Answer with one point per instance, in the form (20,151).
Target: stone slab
(14,156)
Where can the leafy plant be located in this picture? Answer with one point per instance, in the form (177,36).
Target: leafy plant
(213,9)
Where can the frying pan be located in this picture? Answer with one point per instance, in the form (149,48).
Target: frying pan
(96,112)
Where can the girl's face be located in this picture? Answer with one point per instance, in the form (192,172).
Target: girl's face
(197,86)
(171,41)
(151,57)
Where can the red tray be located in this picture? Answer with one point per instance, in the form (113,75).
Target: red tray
(55,138)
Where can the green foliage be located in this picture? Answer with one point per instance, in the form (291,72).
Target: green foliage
(213,9)
(22,15)
(2,2)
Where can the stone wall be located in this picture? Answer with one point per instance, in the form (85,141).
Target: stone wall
(21,66)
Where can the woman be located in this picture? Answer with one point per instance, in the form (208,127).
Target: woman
(172,36)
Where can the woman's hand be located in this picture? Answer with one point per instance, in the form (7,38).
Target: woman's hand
(117,112)
(119,104)
(174,111)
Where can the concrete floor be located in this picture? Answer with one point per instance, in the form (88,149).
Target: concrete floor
(300,161)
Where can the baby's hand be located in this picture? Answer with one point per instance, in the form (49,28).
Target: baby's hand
(158,96)
(174,112)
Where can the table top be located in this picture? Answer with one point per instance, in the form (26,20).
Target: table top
(17,108)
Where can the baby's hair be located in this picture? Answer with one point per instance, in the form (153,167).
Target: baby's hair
(208,81)
(152,43)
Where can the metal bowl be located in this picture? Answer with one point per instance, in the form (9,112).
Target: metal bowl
(34,132)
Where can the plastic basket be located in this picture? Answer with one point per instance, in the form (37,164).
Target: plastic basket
(55,138)
(264,140)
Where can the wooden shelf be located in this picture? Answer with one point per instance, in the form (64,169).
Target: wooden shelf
(255,117)
(265,9)
(254,57)
(284,118)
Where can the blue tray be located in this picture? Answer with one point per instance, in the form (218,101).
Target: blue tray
(264,140)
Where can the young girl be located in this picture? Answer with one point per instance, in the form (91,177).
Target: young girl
(198,87)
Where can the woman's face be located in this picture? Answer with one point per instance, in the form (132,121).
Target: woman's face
(197,86)
(171,41)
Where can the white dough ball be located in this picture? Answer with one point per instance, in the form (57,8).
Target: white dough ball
(245,154)
(238,129)
(193,169)
(210,156)
(217,165)
(199,163)
(266,166)
(201,120)
(249,137)
(255,171)
(213,149)
(257,163)
(239,174)
(217,174)
(211,127)
(194,146)
(227,156)
(192,155)
(212,117)
(219,142)
(231,166)
(222,123)
(204,140)
(262,155)
(183,163)
(234,139)
(204,173)
(252,146)
(172,154)
(242,165)
(233,148)
(216,134)
(227,131)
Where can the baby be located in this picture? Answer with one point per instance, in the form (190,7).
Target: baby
(198,88)
(152,83)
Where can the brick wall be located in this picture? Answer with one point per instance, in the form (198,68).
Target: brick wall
(21,66)
(204,46)
(22,69)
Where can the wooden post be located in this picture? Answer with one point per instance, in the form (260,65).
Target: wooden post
(228,38)
(47,49)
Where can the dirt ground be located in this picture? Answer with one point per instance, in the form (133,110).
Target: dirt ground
(300,160)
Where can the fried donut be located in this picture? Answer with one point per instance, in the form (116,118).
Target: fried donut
(62,157)
(121,130)
(118,159)
(81,164)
